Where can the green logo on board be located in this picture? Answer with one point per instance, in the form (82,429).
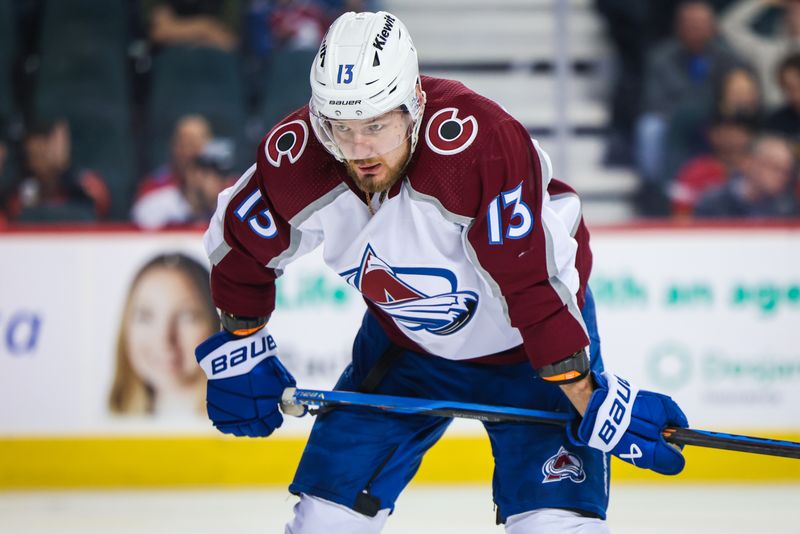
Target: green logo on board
(670,366)
(314,290)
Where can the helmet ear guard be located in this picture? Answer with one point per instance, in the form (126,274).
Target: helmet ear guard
(366,66)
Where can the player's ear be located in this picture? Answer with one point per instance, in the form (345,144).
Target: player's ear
(421,95)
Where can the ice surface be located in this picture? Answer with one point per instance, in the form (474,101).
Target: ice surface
(640,509)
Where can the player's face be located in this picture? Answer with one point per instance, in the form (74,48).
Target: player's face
(376,150)
(377,174)
(167,320)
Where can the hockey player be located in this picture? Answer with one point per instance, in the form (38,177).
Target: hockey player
(437,206)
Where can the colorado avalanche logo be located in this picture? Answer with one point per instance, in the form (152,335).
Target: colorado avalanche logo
(392,289)
(446,134)
(563,465)
(287,140)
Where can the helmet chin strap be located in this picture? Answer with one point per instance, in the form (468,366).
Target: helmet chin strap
(411,150)
(381,198)
(421,98)
(385,192)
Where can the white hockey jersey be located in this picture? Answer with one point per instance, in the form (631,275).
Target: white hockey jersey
(476,253)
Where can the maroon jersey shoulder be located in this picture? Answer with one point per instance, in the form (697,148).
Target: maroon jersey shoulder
(293,167)
(456,135)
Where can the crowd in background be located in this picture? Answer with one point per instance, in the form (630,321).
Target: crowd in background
(706,105)
(144,110)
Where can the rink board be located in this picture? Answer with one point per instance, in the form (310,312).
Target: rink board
(708,315)
(185,462)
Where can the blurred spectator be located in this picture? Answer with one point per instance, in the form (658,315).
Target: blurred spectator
(786,119)
(739,94)
(298,24)
(763,189)
(729,139)
(684,70)
(161,200)
(293,24)
(762,51)
(52,190)
(211,23)
(634,28)
(282,38)
(258,34)
(689,65)
(207,177)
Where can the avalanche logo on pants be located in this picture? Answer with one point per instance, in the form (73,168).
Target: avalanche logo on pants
(561,465)
(417,298)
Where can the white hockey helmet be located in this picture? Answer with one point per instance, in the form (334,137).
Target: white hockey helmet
(366,67)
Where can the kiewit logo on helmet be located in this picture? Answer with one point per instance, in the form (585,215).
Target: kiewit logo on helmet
(383,36)
(322,50)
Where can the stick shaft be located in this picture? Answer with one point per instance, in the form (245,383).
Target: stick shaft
(413,405)
(492,413)
(732,442)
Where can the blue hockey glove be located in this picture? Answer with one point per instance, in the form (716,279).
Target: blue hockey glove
(628,423)
(245,382)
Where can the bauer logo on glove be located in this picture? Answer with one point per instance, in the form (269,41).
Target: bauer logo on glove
(225,355)
(245,383)
(613,414)
(628,423)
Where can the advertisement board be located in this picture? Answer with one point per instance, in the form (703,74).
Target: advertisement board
(66,341)
(708,316)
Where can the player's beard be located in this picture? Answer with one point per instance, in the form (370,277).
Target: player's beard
(389,173)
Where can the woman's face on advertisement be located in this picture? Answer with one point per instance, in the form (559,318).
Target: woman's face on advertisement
(167,320)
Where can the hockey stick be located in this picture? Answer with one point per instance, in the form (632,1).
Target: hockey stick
(489,413)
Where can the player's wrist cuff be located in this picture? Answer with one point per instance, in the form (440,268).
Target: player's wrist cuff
(568,370)
(241,326)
